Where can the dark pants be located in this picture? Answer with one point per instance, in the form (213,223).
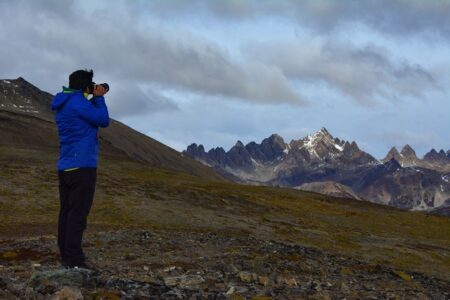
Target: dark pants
(76,193)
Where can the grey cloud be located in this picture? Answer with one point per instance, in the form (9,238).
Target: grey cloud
(174,60)
(366,75)
(126,100)
(398,17)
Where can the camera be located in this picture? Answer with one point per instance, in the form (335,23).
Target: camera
(93,85)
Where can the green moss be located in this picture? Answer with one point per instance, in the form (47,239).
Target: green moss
(347,271)
(403,275)
(9,255)
(106,295)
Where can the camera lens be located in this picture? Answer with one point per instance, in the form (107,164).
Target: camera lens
(106,86)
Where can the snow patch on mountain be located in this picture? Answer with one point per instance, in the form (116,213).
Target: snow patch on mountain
(339,147)
(286,150)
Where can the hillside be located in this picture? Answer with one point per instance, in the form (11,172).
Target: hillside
(27,120)
(150,225)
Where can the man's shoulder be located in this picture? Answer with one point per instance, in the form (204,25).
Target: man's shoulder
(79,99)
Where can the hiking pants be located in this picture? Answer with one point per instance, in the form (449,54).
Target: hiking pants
(76,193)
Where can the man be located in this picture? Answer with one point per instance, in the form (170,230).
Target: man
(78,119)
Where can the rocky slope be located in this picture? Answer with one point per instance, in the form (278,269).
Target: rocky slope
(401,179)
(161,264)
(26,120)
(330,188)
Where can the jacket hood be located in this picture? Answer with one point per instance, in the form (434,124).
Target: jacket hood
(61,99)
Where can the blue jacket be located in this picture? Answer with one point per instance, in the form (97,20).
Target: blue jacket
(78,120)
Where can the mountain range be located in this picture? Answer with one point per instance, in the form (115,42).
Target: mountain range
(337,167)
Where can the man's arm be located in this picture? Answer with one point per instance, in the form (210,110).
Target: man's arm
(95,113)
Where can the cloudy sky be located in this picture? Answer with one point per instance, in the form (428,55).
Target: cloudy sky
(214,72)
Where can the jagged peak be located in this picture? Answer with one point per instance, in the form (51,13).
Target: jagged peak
(433,154)
(407,150)
(274,138)
(321,133)
(20,78)
(393,150)
(392,153)
(195,150)
(407,147)
(324,131)
(350,147)
(216,150)
(355,145)
(239,144)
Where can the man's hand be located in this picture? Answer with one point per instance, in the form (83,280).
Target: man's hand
(99,90)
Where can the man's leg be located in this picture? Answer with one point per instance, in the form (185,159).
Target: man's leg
(63,212)
(82,182)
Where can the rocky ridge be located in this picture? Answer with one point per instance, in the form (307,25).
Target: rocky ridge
(401,179)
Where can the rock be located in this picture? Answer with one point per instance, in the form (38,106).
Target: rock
(3,283)
(145,235)
(233,269)
(134,288)
(240,290)
(290,282)
(263,280)
(344,287)
(214,276)
(247,276)
(184,281)
(320,296)
(68,293)
(170,269)
(63,277)
(316,285)
(146,268)
(274,278)
(231,290)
